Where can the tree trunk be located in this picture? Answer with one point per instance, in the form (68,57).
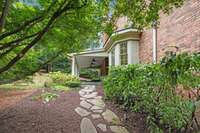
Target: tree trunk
(4,14)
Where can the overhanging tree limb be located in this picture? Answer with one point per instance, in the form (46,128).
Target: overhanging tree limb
(52,20)
(17,41)
(33,71)
(28,23)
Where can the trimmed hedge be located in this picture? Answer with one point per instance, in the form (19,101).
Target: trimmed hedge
(151,89)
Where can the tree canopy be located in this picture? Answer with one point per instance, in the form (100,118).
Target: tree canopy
(34,32)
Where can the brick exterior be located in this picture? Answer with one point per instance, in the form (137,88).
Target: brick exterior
(181,28)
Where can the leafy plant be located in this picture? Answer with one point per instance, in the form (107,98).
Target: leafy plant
(152,89)
(92,74)
(46,97)
(65,79)
(57,87)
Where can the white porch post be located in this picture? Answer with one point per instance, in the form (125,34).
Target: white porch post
(117,55)
(74,66)
(133,52)
(154,42)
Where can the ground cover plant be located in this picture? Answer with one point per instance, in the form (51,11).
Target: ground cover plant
(151,89)
(65,79)
(45,97)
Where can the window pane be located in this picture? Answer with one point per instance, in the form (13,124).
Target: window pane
(123,53)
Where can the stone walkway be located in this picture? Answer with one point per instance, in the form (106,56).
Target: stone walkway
(92,108)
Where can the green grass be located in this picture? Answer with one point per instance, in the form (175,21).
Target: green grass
(58,87)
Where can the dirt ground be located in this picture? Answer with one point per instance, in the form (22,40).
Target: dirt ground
(24,115)
(19,113)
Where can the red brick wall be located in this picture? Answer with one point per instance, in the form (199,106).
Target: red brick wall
(181,28)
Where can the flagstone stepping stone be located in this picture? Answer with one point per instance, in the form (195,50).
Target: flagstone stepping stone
(97,111)
(91,95)
(97,102)
(85,104)
(81,93)
(102,127)
(96,108)
(82,98)
(118,129)
(98,97)
(111,117)
(96,116)
(87,126)
(82,112)
(88,90)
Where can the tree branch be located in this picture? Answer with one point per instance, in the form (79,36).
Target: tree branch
(16,42)
(52,20)
(27,23)
(34,71)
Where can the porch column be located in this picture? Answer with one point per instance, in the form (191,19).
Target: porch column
(154,42)
(117,55)
(133,52)
(74,66)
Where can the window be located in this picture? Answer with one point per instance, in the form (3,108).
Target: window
(113,57)
(123,53)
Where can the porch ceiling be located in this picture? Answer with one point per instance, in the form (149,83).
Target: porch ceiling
(85,59)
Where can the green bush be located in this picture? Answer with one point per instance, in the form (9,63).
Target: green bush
(73,84)
(152,89)
(90,74)
(65,79)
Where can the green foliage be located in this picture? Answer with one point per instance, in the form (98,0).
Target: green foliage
(65,79)
(57,87)
(61,63)
(152,90)
(71,32)
(45,97)
(143,12)
(92,74)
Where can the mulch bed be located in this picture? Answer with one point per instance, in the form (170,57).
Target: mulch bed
(29,116)
(135,122)
(19,113)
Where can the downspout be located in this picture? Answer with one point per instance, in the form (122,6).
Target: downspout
(154,25)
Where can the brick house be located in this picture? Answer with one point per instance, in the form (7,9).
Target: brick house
(179,31)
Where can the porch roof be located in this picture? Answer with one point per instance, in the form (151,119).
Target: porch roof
(84,59)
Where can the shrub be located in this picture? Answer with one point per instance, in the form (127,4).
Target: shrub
(152,89)
(65,79)
(92,74)
(73,84)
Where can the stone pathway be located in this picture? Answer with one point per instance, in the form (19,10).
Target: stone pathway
(92,108)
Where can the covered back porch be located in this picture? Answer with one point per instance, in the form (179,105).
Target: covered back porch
(97,59)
